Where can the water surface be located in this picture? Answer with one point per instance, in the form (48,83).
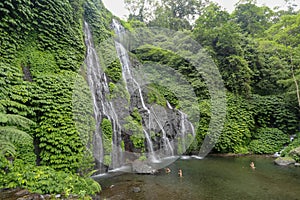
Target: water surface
(214,178)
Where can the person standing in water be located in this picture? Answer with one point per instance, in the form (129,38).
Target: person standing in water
(180,173)
(252,165)
(168,170)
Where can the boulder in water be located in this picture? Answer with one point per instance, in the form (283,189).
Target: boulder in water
(284,161)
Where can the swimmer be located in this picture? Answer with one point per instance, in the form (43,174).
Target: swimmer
(180,173)
(252,165)
(167,170)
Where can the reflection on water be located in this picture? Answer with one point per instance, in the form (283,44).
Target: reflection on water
(210,178)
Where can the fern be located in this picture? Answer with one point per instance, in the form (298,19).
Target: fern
(13,134)
(12,119)
(7,148)
(10,132)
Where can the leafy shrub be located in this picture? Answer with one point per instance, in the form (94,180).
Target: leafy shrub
(118,91)
(4,165)
(136,115)
(239,122)
(114,71)
(45,180)
(99,18)
(143,157)
(134,128)
(159,94)
(233,138)
(107,160)
(156,96)
(274,111)
(107,132)
(268,140)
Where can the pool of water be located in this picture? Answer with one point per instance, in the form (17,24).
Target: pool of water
(213,178)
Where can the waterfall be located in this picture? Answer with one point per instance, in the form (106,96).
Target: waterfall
(186,127)
(168,123)
(103,108)
(93,74)
(132,86)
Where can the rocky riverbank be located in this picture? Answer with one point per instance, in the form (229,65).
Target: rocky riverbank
(23,194)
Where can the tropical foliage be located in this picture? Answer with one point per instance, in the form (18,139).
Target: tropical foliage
(256,50)
(45,141)
(42,50)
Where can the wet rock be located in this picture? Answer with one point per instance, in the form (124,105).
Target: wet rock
(37,197)
(31,197)
(46,196)
(295,152)
(96,198)
(136,189)
(297,164)
(22,193)
(284,161)
(101,168)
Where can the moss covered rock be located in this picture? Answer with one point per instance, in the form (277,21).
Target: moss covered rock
(284,161)
(295,151)
(295,154)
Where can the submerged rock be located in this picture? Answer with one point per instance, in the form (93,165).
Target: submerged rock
(284,161)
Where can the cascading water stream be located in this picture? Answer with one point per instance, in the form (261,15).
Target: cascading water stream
(169,105)
(168,147)
(184,130)
(93,74)
(132,85)
(102,107)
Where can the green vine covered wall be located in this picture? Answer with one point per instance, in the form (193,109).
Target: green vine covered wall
(42,52)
